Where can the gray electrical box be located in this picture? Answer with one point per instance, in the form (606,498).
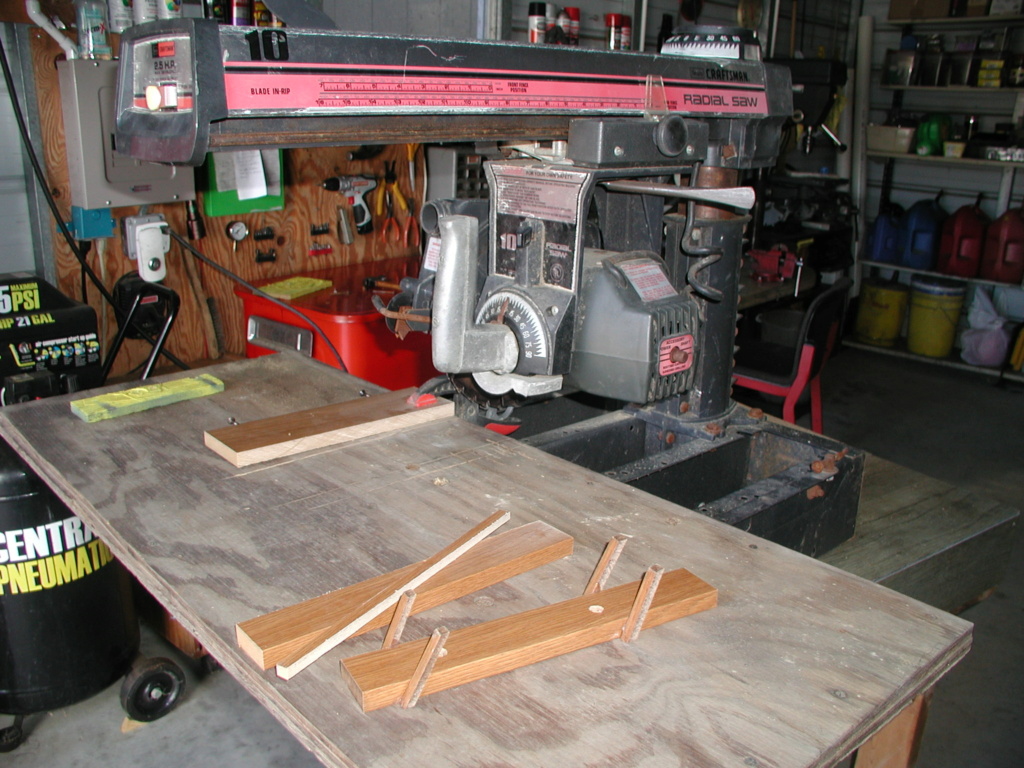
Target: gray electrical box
(456,171)
(102,177)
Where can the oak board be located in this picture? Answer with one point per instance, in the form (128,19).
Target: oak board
(799,663)
(360,614)
(379,678)
(272,637)
(307,430)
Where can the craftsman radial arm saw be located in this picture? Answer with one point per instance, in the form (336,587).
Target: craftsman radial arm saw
(606,260)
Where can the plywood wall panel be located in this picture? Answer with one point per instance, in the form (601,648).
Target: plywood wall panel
(306,203)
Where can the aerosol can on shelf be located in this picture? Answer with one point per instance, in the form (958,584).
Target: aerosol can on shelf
(91,20)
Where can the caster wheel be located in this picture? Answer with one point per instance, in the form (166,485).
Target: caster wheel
(151,689)
(12,736)
(208,665)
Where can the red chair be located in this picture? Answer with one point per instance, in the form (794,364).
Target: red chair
(775,369)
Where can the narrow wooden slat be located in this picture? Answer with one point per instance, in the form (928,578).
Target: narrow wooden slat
(435,644)
(380,678)
(641,603)
(604,566)
(293,433)
(269,638)
(403,610)
(361,614)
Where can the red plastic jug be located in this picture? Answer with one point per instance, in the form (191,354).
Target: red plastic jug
(1002,259)
(960,246)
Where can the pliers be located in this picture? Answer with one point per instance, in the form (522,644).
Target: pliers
(390,186)
(388,222)
(390,193)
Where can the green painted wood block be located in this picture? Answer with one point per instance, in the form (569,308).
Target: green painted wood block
(114,404)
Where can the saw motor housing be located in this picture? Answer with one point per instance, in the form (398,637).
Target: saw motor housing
(576,294)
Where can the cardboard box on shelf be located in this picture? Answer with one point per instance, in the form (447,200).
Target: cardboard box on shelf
(918,9)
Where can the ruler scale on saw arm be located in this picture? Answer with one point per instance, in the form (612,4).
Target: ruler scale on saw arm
(189,85)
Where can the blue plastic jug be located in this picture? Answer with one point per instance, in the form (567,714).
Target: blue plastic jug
(920,232)
(885,236)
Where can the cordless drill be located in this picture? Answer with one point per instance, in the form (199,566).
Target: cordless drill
(355,187)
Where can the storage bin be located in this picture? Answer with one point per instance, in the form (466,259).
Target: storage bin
(345,313)
(881,312)
(890,138)
(935,306)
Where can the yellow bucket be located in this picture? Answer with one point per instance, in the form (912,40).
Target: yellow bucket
(880,313)
(934,313)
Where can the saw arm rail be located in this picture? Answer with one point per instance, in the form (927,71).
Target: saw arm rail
(294,132)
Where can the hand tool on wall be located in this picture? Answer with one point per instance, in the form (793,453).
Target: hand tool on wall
(355,188)
(411,228)
(389,221)
(410,150)
(391,194)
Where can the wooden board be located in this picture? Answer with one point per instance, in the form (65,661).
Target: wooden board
(322,427)
(272,637)
(799,663)
(114,404)
(379,679)
(926,538)
(898,744)
(359,615)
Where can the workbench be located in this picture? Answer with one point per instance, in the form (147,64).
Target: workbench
(798,664)
(753,293)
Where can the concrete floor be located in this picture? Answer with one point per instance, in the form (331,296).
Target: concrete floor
(949,424)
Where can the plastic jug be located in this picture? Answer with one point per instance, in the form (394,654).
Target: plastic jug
(885,236)
(932,132)
(919,234)
(1002,259)
(963,236)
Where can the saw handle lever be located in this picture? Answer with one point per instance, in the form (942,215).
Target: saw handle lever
(732,197)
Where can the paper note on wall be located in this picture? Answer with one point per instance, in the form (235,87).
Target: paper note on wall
(250,178)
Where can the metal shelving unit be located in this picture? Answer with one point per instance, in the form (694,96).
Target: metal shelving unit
(976,162)
(930,96)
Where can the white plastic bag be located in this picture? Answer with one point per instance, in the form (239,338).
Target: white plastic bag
(987,340)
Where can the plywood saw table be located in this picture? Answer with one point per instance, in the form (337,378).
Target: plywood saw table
(797,666)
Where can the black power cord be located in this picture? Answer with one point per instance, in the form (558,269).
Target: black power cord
(249,287)
(52,204)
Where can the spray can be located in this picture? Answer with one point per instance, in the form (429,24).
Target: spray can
(550,15)
(119,15)
(537,22)
(168,9)
(574,25)
(263,16)
(613,31)
(626,33)
(91,20)
(216,10)
(143,11)
(240,13)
